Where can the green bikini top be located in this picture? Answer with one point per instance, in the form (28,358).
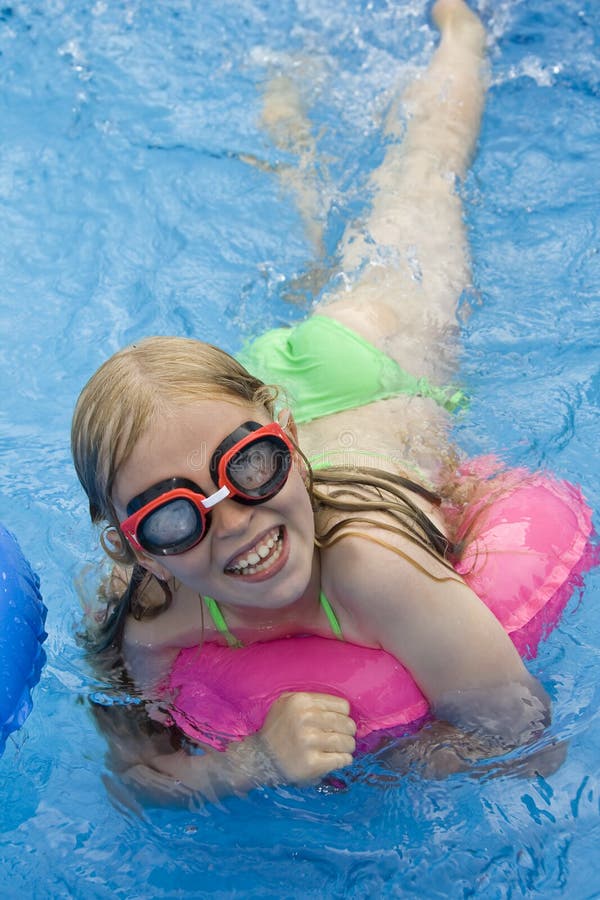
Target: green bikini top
(221,625)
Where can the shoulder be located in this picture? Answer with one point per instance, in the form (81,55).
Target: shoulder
(421,612)
(180,624)
(377,535)
(371,556)
(150,644)
(379,580)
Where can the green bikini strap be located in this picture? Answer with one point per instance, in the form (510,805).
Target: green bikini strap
(449,398)
(331,616)
(220,623)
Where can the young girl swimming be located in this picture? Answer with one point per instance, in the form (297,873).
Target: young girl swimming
(195,465)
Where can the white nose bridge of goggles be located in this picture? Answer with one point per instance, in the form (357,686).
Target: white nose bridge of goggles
(217,497)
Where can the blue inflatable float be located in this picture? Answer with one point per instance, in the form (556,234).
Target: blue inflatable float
(22,618)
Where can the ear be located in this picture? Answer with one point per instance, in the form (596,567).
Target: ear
(286,420)
(151,564)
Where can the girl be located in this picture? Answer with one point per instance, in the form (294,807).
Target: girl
(208,497)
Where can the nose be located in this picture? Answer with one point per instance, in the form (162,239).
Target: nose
(230,518)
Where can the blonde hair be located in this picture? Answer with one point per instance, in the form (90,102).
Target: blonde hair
(129,392)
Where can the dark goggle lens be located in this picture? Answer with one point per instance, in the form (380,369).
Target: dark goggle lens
(260,469)
(174,527)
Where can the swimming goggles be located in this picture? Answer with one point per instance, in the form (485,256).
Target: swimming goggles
(249,466)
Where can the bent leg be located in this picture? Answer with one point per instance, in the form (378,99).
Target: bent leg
(286,121)
(412,253)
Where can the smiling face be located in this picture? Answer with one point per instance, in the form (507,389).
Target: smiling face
(257,556)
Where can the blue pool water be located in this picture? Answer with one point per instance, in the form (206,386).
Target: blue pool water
(127,209)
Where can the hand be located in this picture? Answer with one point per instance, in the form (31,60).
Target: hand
(304,737)
(308,735)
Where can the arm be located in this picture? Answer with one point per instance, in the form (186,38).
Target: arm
(304,737)
(440,749)
(456,650)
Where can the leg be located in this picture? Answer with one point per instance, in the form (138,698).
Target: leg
(413,249)
(285,119)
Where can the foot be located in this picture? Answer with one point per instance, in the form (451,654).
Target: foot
(454,18)
(284,116)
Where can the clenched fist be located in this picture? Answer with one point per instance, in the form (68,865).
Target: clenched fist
(308,735)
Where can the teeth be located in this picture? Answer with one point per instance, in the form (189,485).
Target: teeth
(252,562)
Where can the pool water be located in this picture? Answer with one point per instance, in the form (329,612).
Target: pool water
(128,207)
